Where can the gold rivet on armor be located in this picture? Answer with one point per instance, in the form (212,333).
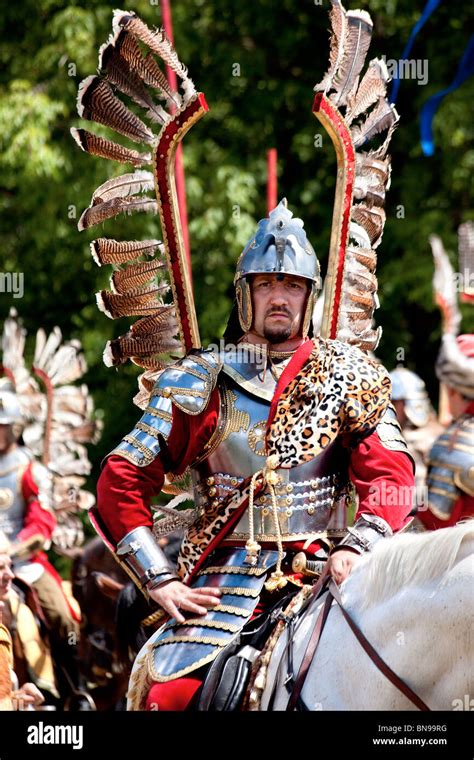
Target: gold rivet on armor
(234,481)
(312,497)
(289,500)
(212,491)
(210,481)
(289,487)
(311,510)
(265,512)
(262,499)
(314,484)
(166,392)
(289,512)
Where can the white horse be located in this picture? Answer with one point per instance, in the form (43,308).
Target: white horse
(413,598)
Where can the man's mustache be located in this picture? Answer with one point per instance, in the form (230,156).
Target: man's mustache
(278,311)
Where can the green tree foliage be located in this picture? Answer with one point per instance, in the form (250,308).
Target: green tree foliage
(257,64)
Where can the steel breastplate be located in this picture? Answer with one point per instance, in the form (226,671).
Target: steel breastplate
(12,503)
(311,498)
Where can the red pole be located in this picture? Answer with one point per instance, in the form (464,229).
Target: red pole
(179,167)
(271,179)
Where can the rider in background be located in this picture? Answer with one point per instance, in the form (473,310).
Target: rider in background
(27,654)
(451,459)
(28,522)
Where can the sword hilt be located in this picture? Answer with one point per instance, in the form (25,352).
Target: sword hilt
(301,564)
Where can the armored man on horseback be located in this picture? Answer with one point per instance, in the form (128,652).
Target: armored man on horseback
(309,416)
(278,429)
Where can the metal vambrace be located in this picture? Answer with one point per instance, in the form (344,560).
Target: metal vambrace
(362,536)
(144,560)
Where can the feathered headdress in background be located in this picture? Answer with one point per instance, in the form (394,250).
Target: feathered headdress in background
(144,270)
(59,418)
(354,110)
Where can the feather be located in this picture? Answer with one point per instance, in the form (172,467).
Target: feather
(125,185)
(367,166)
(371,219)
(116,69)
(338,26)
(13,345)
(67,365)
(380,152)
(444,287)
(382,117)
(369,189)
(132,304)
(49,348)
(364,256)
(99,146)
(107,251)
(97,102)
(157,41)
(102,211)
(358,33)
(372,87)
(361,298)
(144,346)
(359,235)
(165,315)
(356,274)
(135,276)
(145,67)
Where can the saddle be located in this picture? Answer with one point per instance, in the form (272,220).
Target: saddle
(228,678)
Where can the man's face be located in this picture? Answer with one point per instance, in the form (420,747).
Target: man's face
(278,304)
(6,575)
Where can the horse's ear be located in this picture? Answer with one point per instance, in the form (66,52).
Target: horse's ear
(107,585)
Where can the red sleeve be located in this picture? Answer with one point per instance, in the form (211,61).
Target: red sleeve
(384,481)
(124,490)
(462,509)
(37,519)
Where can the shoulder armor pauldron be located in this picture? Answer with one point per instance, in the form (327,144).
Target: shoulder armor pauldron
(190,382)
(451,469)
(188,385)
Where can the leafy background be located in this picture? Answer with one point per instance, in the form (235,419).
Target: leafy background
(49,46)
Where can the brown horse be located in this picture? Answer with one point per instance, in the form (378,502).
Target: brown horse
(106,675)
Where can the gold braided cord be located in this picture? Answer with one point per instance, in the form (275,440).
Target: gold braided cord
(271,479)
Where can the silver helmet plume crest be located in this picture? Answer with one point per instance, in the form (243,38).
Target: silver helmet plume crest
(279,246)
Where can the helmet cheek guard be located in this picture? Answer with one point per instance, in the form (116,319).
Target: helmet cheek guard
(244,303)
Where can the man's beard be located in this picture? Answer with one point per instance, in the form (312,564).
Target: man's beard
(276,335)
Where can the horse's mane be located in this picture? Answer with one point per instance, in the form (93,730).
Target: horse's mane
(408,559)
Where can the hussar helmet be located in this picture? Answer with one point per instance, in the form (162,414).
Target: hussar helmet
(279,246)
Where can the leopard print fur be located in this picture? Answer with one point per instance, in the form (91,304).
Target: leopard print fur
(338,391)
